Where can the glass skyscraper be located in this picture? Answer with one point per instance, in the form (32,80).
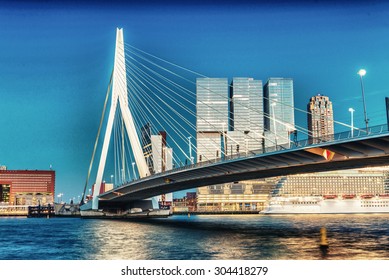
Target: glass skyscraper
(211,104)
(246,115)
(211,116)
(279,111)
(237,116)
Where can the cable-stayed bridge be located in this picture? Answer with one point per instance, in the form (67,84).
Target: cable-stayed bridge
(151,122)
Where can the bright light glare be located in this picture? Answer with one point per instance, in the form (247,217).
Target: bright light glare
(351,110)
(362,72)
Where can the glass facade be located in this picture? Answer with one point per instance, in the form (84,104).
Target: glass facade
(247,105)
(246,111)
(211,104)
(208,146)
(279,111)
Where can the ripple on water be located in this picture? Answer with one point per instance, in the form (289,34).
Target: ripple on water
(197,237)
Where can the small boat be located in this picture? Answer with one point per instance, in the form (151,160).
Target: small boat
(367,196)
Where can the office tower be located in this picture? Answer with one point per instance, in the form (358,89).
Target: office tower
(320,119)
(211,104)
(230,126)
(279,112)
(211,116)
(246,116)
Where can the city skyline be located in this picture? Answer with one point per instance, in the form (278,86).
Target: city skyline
(56,61)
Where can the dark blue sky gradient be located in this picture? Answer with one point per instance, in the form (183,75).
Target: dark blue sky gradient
(56,58)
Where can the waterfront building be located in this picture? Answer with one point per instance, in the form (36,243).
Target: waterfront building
(279,112)
(320,119)
(27,187)
(186,204)
(249,195)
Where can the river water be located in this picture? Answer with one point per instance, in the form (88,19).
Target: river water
(221,237)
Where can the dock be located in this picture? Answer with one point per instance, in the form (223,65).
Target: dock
(40,211)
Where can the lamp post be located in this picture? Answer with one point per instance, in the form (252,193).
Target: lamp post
(362,73)
(273,105)
(60,195)
(351,110)
(133,170)
(111,179)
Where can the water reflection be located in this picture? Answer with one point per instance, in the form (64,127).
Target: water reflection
(198,237)
(244,237)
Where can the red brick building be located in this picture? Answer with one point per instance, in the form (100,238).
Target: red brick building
(27,187)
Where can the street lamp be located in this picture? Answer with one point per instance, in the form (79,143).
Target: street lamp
(111,179)
(362,73)
(133,170)
(273,105)
(351,110)
(60,195)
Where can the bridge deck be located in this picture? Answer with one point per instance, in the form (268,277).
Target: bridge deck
(372,150)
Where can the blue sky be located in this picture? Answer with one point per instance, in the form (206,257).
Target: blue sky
(56,58)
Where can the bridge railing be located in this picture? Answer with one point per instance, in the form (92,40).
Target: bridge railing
(355,134)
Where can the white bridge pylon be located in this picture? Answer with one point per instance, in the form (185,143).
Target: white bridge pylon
(119,95)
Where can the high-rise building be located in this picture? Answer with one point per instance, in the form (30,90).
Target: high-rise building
(211,116)
(279,111)
(211,104)
(230,125)
(320,118)
(246,116)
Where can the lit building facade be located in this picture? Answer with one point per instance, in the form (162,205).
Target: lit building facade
(279,111)
(320,119)
(27,187)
